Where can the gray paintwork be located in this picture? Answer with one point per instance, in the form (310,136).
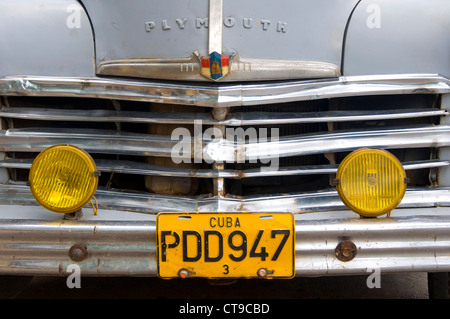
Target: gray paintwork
(295,30)
(36,40)
(413,36)
(410,36)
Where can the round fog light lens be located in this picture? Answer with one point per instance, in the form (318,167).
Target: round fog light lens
(371,182)
(63,178)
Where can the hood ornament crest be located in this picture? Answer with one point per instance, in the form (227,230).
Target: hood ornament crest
(215,66)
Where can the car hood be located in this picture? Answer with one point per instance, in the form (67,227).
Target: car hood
(251,40)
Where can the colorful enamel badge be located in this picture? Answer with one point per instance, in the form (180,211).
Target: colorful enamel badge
(216,66)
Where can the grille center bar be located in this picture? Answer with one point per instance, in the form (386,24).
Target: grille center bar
(219,114)
(215,26)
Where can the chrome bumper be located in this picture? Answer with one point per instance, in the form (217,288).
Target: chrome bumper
(118,243)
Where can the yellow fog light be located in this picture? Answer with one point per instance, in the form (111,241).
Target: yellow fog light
(371,182)
(63,178)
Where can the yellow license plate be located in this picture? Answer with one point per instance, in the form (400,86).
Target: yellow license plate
(225,245)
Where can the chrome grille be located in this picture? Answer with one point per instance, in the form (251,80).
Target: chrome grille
(314,136)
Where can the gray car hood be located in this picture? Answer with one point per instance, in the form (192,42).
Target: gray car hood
(262,40)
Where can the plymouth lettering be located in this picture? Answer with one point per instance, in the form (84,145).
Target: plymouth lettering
(228,22)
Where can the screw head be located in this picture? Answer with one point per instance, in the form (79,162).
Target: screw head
(345,250)
(262,272)
(184,273)
(78,252)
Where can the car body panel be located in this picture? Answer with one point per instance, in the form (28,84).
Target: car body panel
(393,37)
(45,38)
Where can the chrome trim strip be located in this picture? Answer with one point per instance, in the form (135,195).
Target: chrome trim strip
(101,115)
(415,240)
(267,118)
(139,168)
(222,150)
(228,151)
(93,141)
(425,164)
(296,203)
(180,69)
(236,119)
(241,69)
(19,194)
(226,95)
(215,26)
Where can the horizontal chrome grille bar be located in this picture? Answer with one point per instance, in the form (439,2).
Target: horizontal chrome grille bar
(94,141)
(19,194)
(236,119)
(139,168)
(226,151)
(227,95)
(100,115)
(221,150)
(266,118)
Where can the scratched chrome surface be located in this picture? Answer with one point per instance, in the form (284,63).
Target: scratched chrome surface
(226,95)
(411,240)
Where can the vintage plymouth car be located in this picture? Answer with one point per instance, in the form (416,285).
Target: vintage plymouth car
(225,139)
